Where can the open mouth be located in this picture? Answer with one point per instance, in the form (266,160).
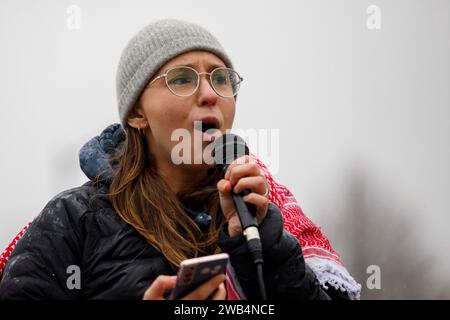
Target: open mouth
(206,124)
(209,128)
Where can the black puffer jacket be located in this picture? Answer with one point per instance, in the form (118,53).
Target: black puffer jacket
(80,228)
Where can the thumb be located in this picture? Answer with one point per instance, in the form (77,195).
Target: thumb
(226,201)
(157,289)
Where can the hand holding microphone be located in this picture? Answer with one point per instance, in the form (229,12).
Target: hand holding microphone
(243,192)
(243,175)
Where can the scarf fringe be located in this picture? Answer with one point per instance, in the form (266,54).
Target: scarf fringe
(328,272)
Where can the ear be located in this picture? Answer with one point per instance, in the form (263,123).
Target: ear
(136,118)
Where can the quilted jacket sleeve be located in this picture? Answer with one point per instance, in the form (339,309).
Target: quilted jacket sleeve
(46,256)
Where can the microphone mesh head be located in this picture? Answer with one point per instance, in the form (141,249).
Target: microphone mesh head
(229,147)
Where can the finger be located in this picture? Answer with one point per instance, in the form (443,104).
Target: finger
(243,170)
(224,186)
(221,293)
(203,291)
(234,226)
(241,160)
(159,287)
(225,199)
(257,184)
(260,202)
(237,162)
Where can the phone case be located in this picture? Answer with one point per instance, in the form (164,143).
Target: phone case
(196,271)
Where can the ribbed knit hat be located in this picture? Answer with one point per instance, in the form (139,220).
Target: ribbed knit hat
(151,48)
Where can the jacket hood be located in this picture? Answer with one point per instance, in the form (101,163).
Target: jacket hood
(94,155)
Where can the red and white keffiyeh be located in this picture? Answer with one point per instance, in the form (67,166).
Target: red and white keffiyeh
(317,251)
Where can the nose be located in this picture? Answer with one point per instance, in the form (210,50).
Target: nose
(206,94)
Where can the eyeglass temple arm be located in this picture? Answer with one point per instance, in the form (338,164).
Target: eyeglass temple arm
(157,78)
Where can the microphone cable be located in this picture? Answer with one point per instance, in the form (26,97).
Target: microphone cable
(253,239)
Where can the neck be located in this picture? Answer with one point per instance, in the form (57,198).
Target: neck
(180,177)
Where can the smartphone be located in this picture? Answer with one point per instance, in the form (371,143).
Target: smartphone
(196,271)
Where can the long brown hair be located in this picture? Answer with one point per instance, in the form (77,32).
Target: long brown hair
(144,200)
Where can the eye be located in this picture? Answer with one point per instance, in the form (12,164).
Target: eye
(180,80)
(181,77)
(220,79)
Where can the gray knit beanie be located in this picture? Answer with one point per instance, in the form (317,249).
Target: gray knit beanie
(150,49)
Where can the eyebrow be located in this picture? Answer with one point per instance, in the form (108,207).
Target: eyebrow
(212,66)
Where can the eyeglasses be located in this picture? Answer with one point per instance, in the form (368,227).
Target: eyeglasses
(184,81)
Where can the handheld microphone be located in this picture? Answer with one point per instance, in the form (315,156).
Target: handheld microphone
(228,148)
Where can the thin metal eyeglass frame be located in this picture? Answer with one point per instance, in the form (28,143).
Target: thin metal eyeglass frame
(198,81)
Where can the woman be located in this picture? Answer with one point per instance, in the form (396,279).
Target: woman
(127,230)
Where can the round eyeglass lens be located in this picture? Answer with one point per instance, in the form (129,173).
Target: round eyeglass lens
(226,82)
(182,81)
